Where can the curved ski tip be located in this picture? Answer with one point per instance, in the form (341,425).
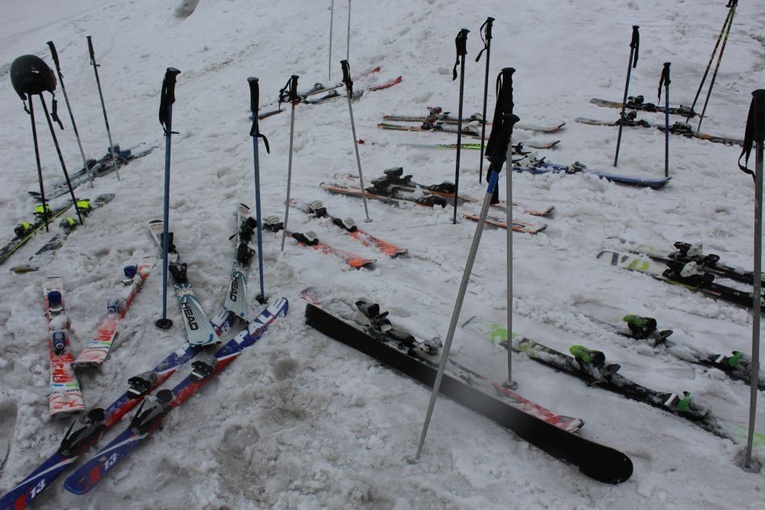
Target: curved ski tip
(613,471)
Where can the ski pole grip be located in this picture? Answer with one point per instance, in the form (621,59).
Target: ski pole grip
(170,77)
(54,54)
(254,95)
(90,49)
(461,42)
(758,115)
(293,88)
(635,44)
(346,72)
(489,22)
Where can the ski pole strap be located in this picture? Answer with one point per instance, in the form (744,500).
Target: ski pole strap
(291,89)
(485,36)
(664,80)
(347,77)
(54,111)
(635,44)
(254,101)
(461,43)
(504,119)
(167,98)
(755,129)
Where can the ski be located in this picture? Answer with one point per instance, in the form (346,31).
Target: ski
(685,252)
(645,330)
(24,231)
(470,130)
(678,128)
(518,148)
(540,166)
(98,347)
(316,208)
(639,103)
(236,297)
(68,225)
(685,274)
(592,367)
(65,397)
(96,168)
(523,227)
(405,354)
(331,94)
(152,412)
(436,114)
(394,197)
(320,88)
(310,240)
(85,431)
(199,329)
(394,177)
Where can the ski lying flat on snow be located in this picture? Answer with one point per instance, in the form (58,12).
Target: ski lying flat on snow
(45,254)
(86,430)
(679,273)
(317,209)
(540,166)
(467,130)
(310,240)
(685,252)
(199,330)
(737,365)
(65,395)
(599,462)
(24,231)
(501,222)
(394,177)
(638,103)
(100,344)
(152,412)
(449,119)
(397,198)
(95,168)
(591,367)
(678,128)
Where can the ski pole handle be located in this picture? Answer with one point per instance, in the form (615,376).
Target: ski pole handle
(347,74)
(167,98)
(54,54)
(664,80)
(90,50)
(461,45)
(293,89)
(635,44)
(254,96)
(171,74)
(758,116)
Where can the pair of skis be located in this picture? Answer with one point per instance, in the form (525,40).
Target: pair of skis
(437,114)
(372,334)
(639,103)
(678,128)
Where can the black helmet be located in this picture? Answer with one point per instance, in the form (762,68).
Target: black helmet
(31,75)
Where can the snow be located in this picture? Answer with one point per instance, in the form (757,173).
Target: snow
(301,421)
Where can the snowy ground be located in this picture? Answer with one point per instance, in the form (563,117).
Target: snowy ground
(301,421)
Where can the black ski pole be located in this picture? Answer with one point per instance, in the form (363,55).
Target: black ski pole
(166,100)
(497,150)
(46,216)
(255,134)
(461,44)
(54,54)
(634,47)
(103,105)
(732,4)
(754,137)
(349,92)
(728,19)
(486,37)
(664,81)
(291,87)
(331,25)
(58,151)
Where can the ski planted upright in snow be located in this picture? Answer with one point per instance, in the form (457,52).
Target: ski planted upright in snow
(415,358)
(199,329)
(153,411)
(98,347)
(65,395)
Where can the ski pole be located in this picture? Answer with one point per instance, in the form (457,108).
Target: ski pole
(497,150)
(732,4)
(754,137)
(728,18)
(486,37)
(54,54)
(634,46)
(349,91)
(348,41)
(167,98)
(58,152)
(103,105)
(46,217)
(461,45)
(255,134)
(331,23)
(664,80)
(291,85)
